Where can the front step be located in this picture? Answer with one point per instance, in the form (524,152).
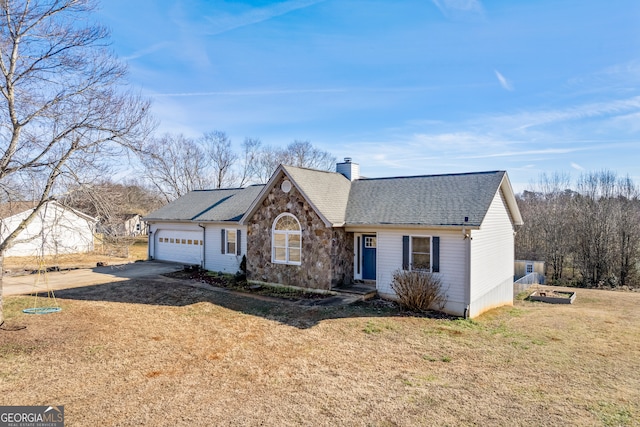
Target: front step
(365,292)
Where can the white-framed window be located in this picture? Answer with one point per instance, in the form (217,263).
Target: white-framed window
(529,268)
(420,252)
(286,243)
(370,242)
(230,241)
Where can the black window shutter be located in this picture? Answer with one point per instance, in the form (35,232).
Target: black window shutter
(405,253)
(435,241)
(222,242)
(239,242)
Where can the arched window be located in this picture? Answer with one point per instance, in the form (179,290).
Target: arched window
(286,243)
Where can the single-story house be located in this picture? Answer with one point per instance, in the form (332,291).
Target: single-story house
(56,229)
(320,229)
(126,225)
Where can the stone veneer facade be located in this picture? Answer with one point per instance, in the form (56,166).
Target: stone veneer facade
(327,252)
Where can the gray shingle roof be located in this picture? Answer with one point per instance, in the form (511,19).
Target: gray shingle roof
(432,200)
(232,208)
(328,191)
(437,200)
(208,205)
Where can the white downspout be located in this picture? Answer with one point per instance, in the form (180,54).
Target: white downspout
(151,246)
(204,245)
(467,276)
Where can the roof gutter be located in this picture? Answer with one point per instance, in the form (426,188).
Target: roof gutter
(189,221)
(368,227)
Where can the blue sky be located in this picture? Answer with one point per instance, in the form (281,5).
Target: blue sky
(405,87)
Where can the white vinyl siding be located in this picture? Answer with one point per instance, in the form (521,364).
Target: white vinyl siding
(179,245)
(214,259)
(492,259)
(55,230)
(208,252)
(452,263)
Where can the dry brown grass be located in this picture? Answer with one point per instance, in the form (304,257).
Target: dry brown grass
(161,353)
(126,250)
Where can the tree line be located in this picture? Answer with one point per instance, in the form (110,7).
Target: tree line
(587,234)
(173,164)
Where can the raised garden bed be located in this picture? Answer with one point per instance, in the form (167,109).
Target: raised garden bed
(553,297)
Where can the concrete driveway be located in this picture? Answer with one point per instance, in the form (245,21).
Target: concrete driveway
(20,285)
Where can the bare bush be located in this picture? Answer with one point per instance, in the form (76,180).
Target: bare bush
(418,290)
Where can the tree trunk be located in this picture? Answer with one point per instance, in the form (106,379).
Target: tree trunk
(1,286)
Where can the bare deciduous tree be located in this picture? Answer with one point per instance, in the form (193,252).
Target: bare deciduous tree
(595,224)
(298,153)
(222,158)
(64,104)
(265,163)
(112,202)
(303,154)
(250,152)
(628,230)
(593,232)
(175,165)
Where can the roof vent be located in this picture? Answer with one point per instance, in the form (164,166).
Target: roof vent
(349,169)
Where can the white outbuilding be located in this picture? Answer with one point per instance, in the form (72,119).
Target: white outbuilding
(55,230)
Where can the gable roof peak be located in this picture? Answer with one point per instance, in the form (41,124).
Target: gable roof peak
(303,168)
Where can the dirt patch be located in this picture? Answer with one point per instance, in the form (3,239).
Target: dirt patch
(240,284)
(550,293)
(157,352)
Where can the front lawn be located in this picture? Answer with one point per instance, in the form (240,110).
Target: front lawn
(164,354)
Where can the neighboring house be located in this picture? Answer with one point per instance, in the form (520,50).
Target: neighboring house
(525,267)
(202,228)
(526,274)
(319,229)
(133,225)
(127,225)
(55,230)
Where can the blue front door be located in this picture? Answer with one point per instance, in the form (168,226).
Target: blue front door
(369,244)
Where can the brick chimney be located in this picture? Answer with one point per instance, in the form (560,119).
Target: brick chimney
(349,169)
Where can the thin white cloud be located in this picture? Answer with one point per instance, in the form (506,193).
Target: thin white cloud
(526,120)
(224,22)
(521,153)
(623,74)
(576,166)
(459,8)
(265,92)
(585,111)
(262,92)
(457,142)
(506,84)
(143,52)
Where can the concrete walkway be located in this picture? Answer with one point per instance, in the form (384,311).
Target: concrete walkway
(22,285)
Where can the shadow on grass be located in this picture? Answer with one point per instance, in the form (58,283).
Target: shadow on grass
(164,291)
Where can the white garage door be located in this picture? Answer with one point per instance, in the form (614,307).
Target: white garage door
(178,246)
